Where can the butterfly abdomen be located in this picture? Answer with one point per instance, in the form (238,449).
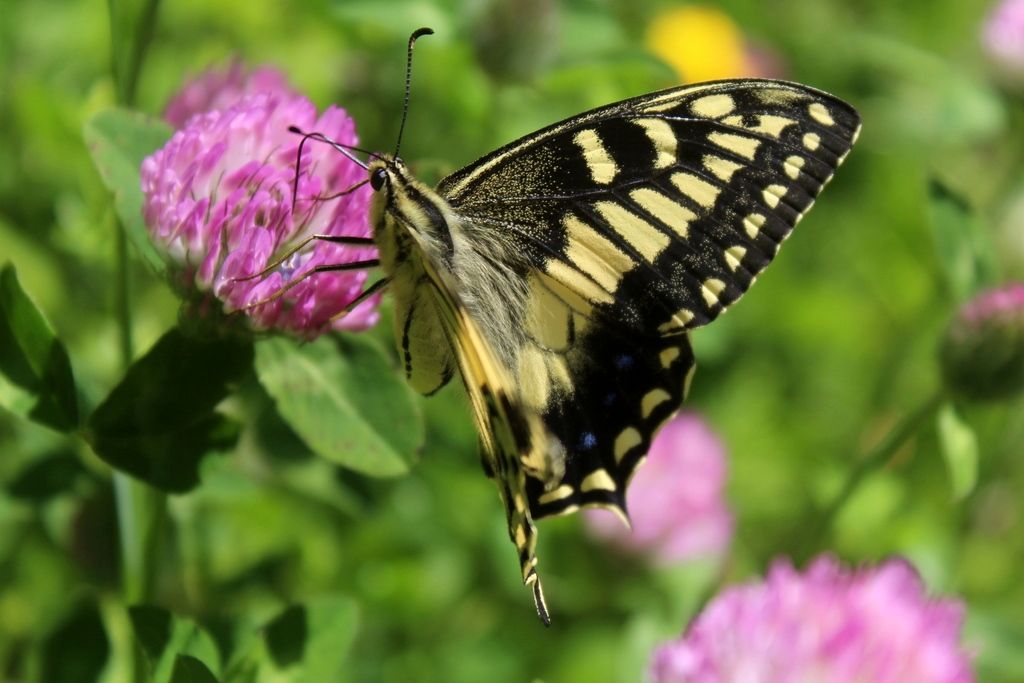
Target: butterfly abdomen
(406,226)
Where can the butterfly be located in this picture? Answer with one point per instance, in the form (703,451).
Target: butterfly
(561,275)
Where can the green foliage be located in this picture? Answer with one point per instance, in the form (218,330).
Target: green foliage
(177,650)
(188,669)
(303,643)
(159,422)
(119,140)
(342,529)
(319,389)
(77,649)
(963,245)
(35,373)
(960,449)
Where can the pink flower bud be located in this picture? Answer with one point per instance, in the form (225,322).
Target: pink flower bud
(983,350)
(1003,37)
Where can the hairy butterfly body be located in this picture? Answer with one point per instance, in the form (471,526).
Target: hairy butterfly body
(561,274)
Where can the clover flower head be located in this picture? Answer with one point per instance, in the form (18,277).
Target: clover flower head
(219,88)
(676,499)
(829,624)
(218,202)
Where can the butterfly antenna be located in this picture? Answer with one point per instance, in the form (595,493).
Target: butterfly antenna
(408,82)
(320,137)
(344,149)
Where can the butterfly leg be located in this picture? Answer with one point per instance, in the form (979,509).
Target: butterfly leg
(333,239)
(328,268)
(363,296)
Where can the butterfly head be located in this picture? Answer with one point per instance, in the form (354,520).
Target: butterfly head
(405,209)
(390,178)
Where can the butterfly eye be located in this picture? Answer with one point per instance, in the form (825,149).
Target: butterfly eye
(378,178)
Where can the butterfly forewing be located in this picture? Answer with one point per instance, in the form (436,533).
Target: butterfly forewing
(690,190)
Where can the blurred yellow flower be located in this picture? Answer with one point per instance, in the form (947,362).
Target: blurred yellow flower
(700,42)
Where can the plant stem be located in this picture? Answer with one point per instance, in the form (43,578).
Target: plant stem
(122,299)
(141,515)
(875,459)
(141,509)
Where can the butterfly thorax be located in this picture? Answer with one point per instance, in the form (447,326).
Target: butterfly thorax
(448,273)
(421,239)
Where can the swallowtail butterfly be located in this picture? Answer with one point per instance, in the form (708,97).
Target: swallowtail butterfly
(561,274)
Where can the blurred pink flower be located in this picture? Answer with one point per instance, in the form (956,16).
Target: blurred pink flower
(763,61)
(221,88)
(675,500)
(983,351)
(218,203)
(1007,301)
(1003,35)
(827,625)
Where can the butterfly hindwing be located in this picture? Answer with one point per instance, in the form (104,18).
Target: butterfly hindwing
(622,394)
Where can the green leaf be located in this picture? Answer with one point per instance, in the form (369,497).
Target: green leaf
(188,669)
(960,449)
(964,249)
(305,643)
(331,628)
(36,381)
(46,477)
(286,636)
(152,627)
(178,650)
(77,650)
(119,140)
(159,422)
(345,400)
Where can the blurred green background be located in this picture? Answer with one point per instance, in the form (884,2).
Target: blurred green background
(411,578)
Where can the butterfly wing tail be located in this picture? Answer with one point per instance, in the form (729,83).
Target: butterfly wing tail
(511,438)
